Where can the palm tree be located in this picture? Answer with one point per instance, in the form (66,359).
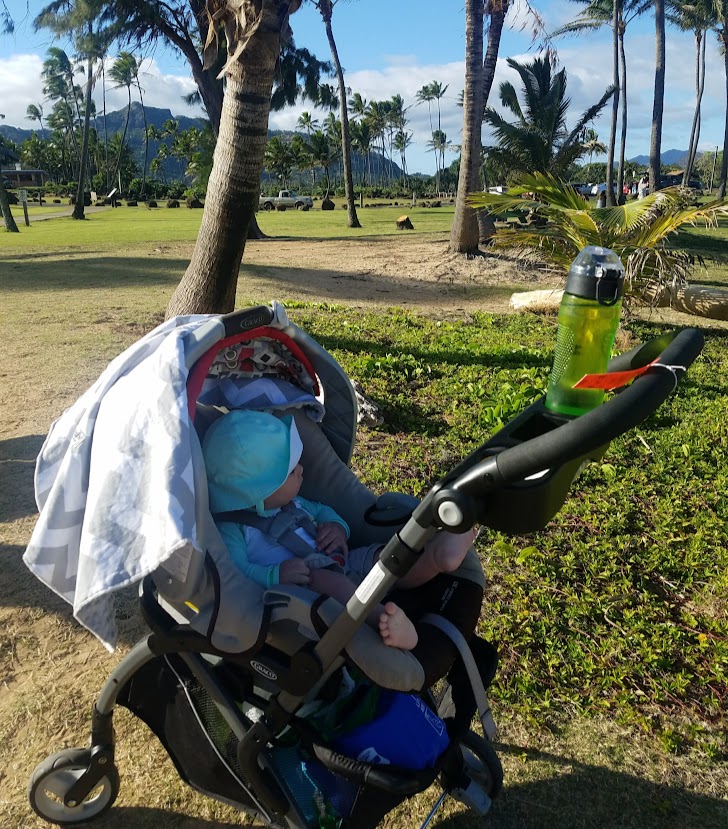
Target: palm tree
(134,68)
(358,105)
(600,13)
(361,140)
(465,233)
(8,217)
(307,122)
(210,281)
(697,17)
(57,70)
(402,140)
(721,23)
(538,141)
(427,95)
(658,101)
(326,9)
(34,112)
(592,144)
(278,159)
(121,74)
(79,21)
(638,231)
(323,154)
(439,145)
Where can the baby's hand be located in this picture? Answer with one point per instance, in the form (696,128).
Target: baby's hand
(294,571)
(330,537)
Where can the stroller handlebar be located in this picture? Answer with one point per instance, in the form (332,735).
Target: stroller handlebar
(537,444)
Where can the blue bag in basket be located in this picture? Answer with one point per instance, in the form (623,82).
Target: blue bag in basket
(404,732)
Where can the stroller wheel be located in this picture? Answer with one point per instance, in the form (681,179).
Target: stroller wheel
(481,763)
(52,779)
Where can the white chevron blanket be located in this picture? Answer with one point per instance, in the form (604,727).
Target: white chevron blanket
(113,480)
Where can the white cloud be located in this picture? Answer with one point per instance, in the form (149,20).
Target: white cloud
(587,60)
(21,83)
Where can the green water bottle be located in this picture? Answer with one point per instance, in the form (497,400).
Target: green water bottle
(588,319)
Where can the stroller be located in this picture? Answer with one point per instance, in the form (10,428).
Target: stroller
(235,681)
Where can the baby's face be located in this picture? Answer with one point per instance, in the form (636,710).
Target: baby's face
(287,491)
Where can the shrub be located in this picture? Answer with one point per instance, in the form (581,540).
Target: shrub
(151,203)
(192,202)
(172,203)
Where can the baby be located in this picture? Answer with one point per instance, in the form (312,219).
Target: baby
(277,537)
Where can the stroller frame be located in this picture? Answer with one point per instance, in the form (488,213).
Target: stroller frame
(502,485)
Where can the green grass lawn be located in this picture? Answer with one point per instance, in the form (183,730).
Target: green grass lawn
(130,225)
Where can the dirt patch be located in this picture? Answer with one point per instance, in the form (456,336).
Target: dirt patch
(404,272)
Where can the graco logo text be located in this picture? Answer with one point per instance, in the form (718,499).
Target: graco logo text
(264,670)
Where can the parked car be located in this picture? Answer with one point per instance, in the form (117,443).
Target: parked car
(581,188)
(284,199)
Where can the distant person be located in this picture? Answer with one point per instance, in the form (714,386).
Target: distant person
(643,188)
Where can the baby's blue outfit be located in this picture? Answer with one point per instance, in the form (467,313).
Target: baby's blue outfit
(248,456)
(258,556)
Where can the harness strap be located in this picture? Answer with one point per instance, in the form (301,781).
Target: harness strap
(281,527)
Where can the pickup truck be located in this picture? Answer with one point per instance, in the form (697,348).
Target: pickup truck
(285,198)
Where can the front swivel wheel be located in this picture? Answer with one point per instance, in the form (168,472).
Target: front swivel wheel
(54,777)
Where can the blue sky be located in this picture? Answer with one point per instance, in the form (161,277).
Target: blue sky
(392,47)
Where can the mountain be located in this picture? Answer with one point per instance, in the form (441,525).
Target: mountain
(667,157)
(172,168)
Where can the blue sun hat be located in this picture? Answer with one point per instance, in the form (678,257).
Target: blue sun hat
(248,456)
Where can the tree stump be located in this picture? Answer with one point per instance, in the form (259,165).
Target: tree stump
(404,223)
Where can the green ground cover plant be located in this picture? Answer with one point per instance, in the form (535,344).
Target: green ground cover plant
(619,606)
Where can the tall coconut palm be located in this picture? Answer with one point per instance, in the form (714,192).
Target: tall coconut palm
(720,9)
(79,21)
(58,85)
(361,140)
(121,75)
(427,95)
(698,17)
(254,30)
(465,233)
(8,218)
(326,9)
(402,140)
(539,139)
(658,102)
(323,154)
(308,123)
(34,112)
(599,13)
(135,70)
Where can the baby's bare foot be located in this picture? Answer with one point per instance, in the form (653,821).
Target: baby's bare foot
(448,549)
(396,629)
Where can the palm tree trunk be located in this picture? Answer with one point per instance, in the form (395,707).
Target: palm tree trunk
(699,85)
(8,218)
(724,161)
(659,99)
(78,208)
(345,136)
(123,138)
(623,134)
(210,281)
(106,128)
(146,139)
(495,31)
(611,199)
(465,234)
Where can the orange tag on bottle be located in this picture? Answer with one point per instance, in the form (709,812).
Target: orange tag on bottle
(612,379)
